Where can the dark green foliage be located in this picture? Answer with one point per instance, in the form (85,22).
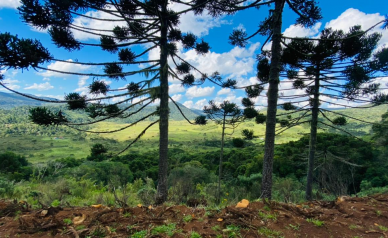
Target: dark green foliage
(98,149)
(288,106)
(11,162)
(95,110)
(185,179)
(98,87)
(108,44)
(114,71)
(172,49)
(254,91)
(250,112)
(113,173)
(183,68)
(133,88)
(238,38)
(340,121)
(43,116)
(202,48)
(127,55)
(200,120)
(246,102)
(63,37)
(238,142)
(120,33)
(263,67)
(189,40)
(247,134)
(284,122)
(188,80)
(112,110)
(21,53)
(136,28)
(75,101)
(260,118)
(175,35)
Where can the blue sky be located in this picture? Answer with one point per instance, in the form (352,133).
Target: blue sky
(232,62)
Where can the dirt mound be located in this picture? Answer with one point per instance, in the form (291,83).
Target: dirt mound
(345,217)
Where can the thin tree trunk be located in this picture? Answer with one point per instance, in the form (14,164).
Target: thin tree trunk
(313,139)
(266,186)
(162,191)
(220,166)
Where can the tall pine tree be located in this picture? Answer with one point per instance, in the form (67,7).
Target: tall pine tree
(150,23)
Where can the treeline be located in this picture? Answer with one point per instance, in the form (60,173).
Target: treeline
(345,165)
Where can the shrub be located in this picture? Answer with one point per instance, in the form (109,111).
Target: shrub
(238,142)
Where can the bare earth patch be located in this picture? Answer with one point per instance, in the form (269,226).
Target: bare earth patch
(345,217)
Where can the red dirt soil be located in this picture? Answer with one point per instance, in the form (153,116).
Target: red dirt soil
(345,217)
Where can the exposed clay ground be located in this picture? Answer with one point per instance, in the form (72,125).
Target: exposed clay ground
(347,217)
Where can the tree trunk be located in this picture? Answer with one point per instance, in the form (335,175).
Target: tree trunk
(162,191)
(220,166)
(313,138)
(266,186)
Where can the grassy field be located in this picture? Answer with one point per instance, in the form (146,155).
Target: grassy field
(182,135)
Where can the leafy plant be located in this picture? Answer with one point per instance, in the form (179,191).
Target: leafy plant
(169,229)
(139,234)
(265,231)
(317,223)
(67,221)
(267,216)
(194,234)
(294,227)
(187,218)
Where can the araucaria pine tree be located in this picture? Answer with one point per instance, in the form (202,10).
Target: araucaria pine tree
(336,66)
(229,116)
(308,14)
(151,24)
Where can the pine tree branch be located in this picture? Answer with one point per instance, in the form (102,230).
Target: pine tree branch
(138,137)
(117,130)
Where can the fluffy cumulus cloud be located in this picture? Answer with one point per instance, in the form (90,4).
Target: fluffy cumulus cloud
(64,67)
(198,25)
(196,91)
(353,17)
(299,31)
(224,91)
(235,63)
(10,83)
(9,3)
(40,87)
(177,97)
(176,88)
(197,105)
(95,24)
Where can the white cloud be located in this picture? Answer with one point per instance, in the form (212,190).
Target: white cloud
(46,79)
(198,105)
(10,83)
(40,87)
(195,92)
(198,25)
(9,4)
(95,24)
(299,31)
(353,17)
(65,67)
(235,63)
(177,97)
(176,88)
(224,91)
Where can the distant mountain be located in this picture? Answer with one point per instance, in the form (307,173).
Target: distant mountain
(11,100)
